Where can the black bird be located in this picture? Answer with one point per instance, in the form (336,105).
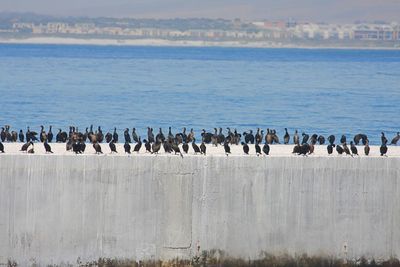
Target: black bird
(47,147)
(156,147)
(3,135)
(259,136)
(206,137)
(127,136)
(108,137)
(311,149)
(227,148)
(135,136)
(353,148)
(383,149)
(99,135)
(258,149)
(150,135)
(185,147)
(266,149)
(127,148)
(160,136)
(1,147)
(313,139)
(167,146)
(304,149)
(176,149)
(31,151)
(50,135)
(203,148)
(286,137)
(275,137)
(214,138)
(358,137)
(147,145)
(76,148)
(346,149)
(248,137)
(366,148)
(296,138)
(26,145)
(329,148)
(43,135)
(383,138)
(339,150)
(245,148)
(305,138)
(396,139)
(112,146)
(195,147)
(21,136)
(82,146)
(97,148)
(296,149)
(321,139)
(138,146)
(68,145)
(331,139)
(343,139)
(115,135)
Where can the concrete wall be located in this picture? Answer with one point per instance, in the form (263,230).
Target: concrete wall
(58,209)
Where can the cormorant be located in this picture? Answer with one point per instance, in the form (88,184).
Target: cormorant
(304,149)
(195,147)
(329,148)
(3,135)
(50,135)
(160,136)
(383,149)
(296,138)
(383,138)
(138,146)
(396,139)
(170,135)
(321,140)
(353,148)
(185,147)
(176,149)
(259,136)
(127,137)
(134,135)
(47,147)
(108,137)
(1,147)
(366,148)
(275,137)
(97,148)
(339,149)
(156,147)
(227,148)
(43,135)
(214,138)
(221,136)
(245,148)
(269,137)
(150,135)
(286,137)
(21,136)
(343,139)
(346,149)
(296,149)
(266,149)
(313,139)
(258,149)
(331,139)
(147,145)
(112,146)
(115,135)
(305,138)
(127,147)
(31,151)
(167,147)
(26,145)
(203,148)
(190,136)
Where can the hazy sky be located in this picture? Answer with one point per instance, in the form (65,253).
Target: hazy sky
(313,10)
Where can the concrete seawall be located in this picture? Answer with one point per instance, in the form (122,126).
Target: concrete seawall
(57,209)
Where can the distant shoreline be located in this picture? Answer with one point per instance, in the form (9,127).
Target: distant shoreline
(180,43)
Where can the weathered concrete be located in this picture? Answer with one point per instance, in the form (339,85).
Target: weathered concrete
(60,208)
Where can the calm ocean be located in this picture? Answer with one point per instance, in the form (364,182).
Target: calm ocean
(316,91)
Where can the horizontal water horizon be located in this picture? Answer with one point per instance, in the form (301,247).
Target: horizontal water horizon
(322,91)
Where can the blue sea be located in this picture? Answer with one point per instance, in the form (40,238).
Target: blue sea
(315,91)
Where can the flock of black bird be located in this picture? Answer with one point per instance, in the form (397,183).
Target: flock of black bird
(172,143)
